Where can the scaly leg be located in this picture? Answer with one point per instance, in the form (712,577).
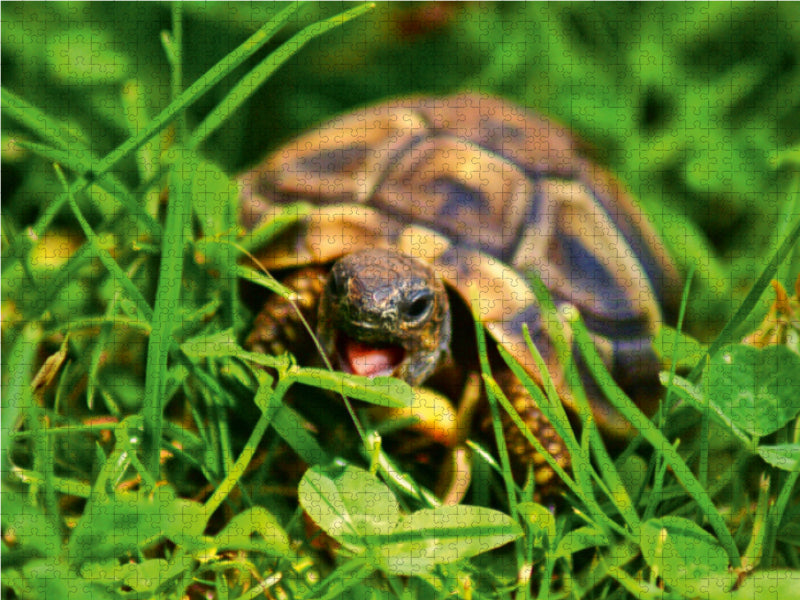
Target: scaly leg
(278,327)
(455,477)
(520,450)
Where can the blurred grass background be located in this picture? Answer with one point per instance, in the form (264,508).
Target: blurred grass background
(693,105)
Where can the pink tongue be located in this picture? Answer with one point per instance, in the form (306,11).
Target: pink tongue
(370,361)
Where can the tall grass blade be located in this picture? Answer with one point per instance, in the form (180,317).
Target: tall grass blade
(253,80)
(168,293)
(730,333)
(654,436)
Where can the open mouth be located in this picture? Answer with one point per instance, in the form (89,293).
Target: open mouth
(369,360)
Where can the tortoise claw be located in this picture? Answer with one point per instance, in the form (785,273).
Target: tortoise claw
(455,476)
(431,414)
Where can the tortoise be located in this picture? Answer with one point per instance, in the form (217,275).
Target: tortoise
(423,201)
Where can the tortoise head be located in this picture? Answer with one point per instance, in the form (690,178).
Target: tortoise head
(384,313)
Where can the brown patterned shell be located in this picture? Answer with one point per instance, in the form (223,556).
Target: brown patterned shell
(485,191)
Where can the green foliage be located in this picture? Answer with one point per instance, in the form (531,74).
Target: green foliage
(682,349)
(756,389)
(362,514)
(146,454)
(687,557)
(752,392)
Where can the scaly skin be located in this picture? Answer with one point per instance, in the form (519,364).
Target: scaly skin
(390,301)
(278,327)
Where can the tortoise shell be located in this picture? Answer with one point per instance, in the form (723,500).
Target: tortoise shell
(485,192)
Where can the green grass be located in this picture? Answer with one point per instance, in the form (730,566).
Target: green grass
(147,455)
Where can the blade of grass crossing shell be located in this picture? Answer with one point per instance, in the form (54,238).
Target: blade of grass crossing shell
(550,404)
(497,426)
(552,415)
(558,334)
(264,234)
(525,430)
(554,328)
(654,436)
(609,479)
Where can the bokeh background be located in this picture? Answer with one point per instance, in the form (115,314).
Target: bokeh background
(695,105)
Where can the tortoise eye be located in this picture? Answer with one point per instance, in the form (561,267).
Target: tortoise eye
(419,307)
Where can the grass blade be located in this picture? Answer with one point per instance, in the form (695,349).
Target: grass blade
(654,436)
(517,419)
(39,122)
(200,87)
(179,211)
(730,333)
(253,80)
(213,76)
(610,476)
(500,439)
(73,153)
(265,398)
(116,272)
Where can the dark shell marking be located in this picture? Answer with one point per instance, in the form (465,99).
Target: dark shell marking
(485,192)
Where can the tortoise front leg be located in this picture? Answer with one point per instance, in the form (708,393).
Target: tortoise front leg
(279,326)
(521,452)
(455,474)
